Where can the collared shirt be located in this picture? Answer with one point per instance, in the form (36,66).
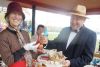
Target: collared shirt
(71,37)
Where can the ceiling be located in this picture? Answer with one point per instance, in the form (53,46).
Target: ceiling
(62,6)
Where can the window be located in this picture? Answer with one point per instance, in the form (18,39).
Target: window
(54,22)
(94,24)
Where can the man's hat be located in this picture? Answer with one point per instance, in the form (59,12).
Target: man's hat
(79,10)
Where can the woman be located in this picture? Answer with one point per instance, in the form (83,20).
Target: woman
(14,43)
(39,31)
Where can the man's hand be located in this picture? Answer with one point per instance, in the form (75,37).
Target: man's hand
(66,63)
(43,40)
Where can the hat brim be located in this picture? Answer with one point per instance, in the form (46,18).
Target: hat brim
(77,14)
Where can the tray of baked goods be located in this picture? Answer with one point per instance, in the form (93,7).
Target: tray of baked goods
(52,58)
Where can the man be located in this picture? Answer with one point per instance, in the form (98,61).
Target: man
(77,42)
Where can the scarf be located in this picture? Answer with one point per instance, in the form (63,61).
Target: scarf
(27,54)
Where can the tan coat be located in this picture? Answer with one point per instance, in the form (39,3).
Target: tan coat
(9,44)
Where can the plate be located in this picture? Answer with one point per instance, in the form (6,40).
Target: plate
(44,59)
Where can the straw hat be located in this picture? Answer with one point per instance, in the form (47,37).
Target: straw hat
(79,10)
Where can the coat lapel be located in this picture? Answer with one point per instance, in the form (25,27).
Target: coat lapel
(66,36)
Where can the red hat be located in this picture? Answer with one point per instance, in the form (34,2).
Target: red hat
(14,7)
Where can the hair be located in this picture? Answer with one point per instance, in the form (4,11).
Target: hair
(40,26)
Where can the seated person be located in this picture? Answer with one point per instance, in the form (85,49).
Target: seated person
(41,30)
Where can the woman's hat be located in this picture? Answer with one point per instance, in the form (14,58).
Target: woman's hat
(79,10)
(14,7)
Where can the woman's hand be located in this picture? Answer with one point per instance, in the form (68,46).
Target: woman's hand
(3,26)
